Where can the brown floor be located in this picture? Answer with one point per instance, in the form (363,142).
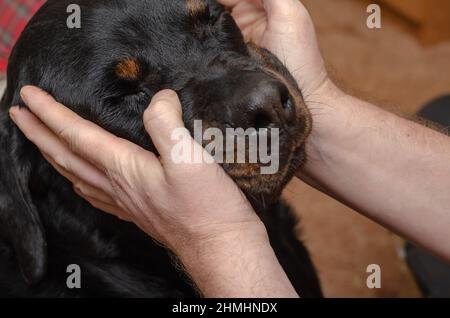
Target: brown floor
(388,67)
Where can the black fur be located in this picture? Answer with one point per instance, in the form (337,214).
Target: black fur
(44,225)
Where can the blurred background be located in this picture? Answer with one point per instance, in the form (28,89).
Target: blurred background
(400,67)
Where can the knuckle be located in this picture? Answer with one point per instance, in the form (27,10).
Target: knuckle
(161,110)
(64,132)
(68,134)
(62,161)
(162,104)
(157,107)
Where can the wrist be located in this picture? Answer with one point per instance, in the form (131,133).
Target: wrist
(237,263)
(334,112)
(215,239)
(332,126)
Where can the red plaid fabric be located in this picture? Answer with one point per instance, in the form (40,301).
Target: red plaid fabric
(14,15)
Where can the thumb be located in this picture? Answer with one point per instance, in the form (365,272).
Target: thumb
(284,12)
(162,118)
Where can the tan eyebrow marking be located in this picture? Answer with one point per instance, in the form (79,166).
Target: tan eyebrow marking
(128,69)
(195,7)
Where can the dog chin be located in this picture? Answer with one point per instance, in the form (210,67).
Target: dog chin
(265,188)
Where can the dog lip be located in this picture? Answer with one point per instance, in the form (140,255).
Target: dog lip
(237,174)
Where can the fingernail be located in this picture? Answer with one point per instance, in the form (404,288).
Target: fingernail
(166,93)
(13,112)
(27,92)
(24,93)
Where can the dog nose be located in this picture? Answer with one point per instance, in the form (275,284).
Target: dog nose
(268,105)
(259,101)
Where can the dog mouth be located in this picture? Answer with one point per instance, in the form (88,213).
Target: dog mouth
(266,180)
(262,171)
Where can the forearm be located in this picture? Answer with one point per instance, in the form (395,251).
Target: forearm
(239,264)
(390,169)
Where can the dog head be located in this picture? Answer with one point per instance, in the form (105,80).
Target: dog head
(127,50)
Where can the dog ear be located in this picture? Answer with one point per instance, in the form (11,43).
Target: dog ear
(20,223)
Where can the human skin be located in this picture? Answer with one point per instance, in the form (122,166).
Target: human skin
(389,169)
(226,251)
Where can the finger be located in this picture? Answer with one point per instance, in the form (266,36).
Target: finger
(278,9)
(104,150)
(249,16)
(162,119)
(95,193)
(229,3)
(72,178)
(110,209)
(164,122)
(285,16)
(80,185)
(83,137)
(56,151)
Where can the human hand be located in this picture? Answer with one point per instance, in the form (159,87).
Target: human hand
(285,28)
(172,202)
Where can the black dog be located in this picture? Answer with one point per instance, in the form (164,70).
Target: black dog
(107,71)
